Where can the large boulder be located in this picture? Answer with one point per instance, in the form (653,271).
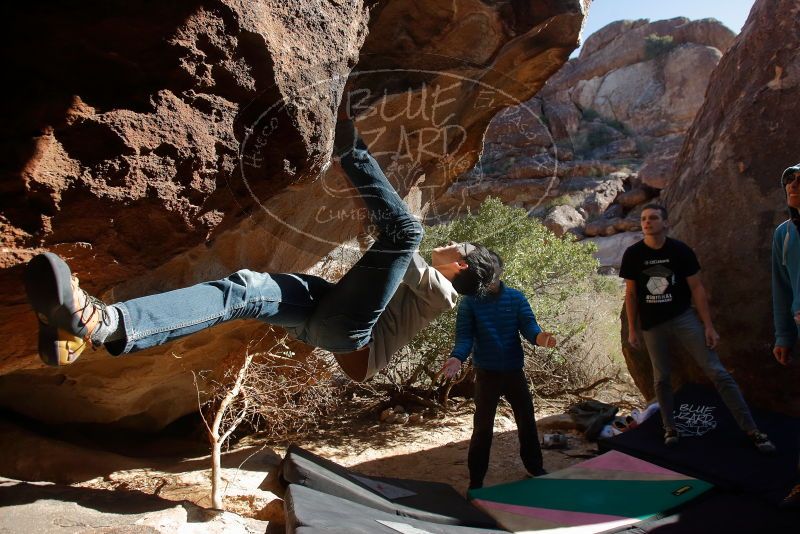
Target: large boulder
(623,43)
(651,95)
(618,102)
(610,249)
(658,166)
(654,97)
(129,127)
(563,219)
(725,199)
(158,146)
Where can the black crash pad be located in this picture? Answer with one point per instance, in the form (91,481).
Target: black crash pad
(313,512)
(427,501)
(721,512)
(713,448)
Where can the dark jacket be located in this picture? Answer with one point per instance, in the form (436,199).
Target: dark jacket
(490,328)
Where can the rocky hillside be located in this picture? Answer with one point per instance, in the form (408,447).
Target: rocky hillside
(602,136)
(155,146)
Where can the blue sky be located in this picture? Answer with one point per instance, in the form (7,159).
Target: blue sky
(732,13)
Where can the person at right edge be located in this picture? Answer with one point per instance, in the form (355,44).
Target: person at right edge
(661,281)
(786,287)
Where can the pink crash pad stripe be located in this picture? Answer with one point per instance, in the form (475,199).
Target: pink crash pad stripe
(563,517)
(618,461)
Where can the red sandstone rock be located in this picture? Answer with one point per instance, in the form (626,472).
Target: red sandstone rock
(658,167)
(145,152)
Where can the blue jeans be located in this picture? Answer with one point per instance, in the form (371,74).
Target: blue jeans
(336,317)
(689,331)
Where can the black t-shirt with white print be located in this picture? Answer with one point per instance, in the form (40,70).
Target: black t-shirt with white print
(660,276)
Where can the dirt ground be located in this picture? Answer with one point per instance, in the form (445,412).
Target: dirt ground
(434,449)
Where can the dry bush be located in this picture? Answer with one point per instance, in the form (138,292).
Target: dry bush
(559,278)
(587,357)
(280,392)
(267,387)
(579,366)
(589,352)
(293,396)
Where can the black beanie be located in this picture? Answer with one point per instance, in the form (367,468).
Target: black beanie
(793,213)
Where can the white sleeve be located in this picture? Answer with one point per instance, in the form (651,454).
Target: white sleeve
(429,284)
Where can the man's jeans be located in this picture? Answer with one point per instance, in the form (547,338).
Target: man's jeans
(336,317)
(688,330)
(489,387)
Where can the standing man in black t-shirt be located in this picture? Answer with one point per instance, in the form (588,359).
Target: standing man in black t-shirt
(661,280)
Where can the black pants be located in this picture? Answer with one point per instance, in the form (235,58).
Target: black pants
(489,387)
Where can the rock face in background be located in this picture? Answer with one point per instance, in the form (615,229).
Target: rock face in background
(726,198)
(156,147)
(602,135)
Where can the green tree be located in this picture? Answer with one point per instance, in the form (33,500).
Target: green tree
(552,272)
(657,45)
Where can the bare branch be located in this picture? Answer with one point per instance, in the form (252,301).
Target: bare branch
(576,391)
(200,403)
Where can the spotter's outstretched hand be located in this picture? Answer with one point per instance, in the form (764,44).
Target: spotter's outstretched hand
(450,368)
(546,339)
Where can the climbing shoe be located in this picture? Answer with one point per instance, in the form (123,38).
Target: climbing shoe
(671,437)
(67,314)
(762,442)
